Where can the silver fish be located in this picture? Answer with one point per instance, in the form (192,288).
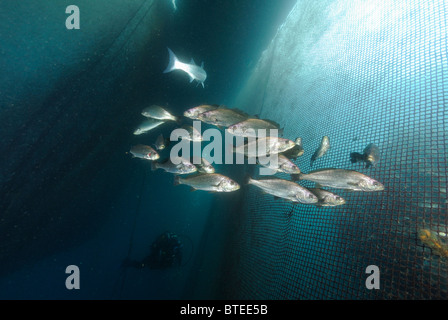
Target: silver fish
(251,127)
(370,155)
(213,182)
(327,198)
(194,72)
(158,113)
(285,189)
(193,113)
(177,165)
(264,146)
(222,117)
(283,164)
(203,165)
(342,179)
(144,152)
(322,150)
(147,125)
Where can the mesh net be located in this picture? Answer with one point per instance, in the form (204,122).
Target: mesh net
(360,73)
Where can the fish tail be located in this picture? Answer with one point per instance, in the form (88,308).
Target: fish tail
(177,180)
(356,156)
(296,176)
(172,63)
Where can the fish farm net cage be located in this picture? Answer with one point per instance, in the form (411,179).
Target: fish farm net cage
(359,73)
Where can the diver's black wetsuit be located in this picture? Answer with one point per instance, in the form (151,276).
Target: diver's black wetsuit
(165,253)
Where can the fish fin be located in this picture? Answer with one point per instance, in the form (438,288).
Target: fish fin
(193,189)
(202,65)
(276,198)
(318,185)
(176,180)
(192,61)
(256,116)
(202,84)
(191,79)
(172,62)
(247,179)
(280,131)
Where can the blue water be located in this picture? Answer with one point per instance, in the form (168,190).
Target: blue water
(69,101)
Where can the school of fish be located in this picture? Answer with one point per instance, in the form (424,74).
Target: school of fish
(199,174)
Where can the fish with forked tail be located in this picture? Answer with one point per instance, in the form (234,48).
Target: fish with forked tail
(284,189)
(251,128)
(144,152)
(194,112)
(223,116)
(147,126)
(176,165)
(158,113)
(341,179)
(264,146)
(194,72)
(213,182)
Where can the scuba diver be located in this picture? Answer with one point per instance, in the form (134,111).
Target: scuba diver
(165,253)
